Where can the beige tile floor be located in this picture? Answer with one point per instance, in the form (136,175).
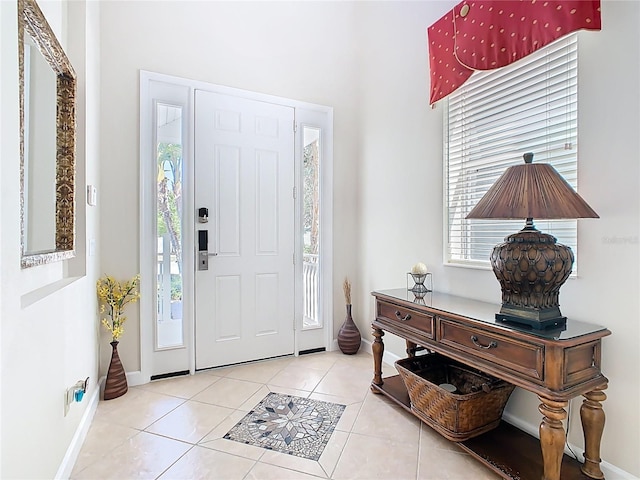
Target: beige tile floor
(173,428)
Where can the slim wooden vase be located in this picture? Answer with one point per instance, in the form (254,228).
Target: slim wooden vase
(349,336)
(116,383)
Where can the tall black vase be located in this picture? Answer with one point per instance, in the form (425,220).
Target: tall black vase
(349,336)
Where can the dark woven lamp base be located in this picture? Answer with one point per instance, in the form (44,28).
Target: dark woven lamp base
(531,267)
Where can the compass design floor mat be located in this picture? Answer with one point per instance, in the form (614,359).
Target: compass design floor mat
(288,424)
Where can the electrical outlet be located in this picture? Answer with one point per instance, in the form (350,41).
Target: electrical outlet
(68,399)
(75,394)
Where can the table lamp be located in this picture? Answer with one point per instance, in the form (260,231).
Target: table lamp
(530,265)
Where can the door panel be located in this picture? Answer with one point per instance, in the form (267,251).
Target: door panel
(166,261)
(267,205)
(227,184)
(227,308)
(267,288)
(244,169)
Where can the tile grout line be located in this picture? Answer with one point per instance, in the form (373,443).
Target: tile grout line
(328,468)
(174,462)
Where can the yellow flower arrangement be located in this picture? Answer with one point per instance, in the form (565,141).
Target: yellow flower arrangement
(113,297)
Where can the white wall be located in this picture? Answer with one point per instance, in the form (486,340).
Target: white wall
(401,205)
(299,50)
(368,60)
(49,327)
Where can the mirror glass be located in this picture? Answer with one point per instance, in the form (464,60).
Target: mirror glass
(39,189)
(47,143)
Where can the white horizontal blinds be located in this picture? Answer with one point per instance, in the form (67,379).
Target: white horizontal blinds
(493,119)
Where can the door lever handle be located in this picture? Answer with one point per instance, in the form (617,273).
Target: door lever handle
(213,254)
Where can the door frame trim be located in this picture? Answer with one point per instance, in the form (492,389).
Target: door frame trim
(324,121)
(148,220)
(147,268)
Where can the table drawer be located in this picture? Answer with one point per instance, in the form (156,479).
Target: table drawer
(526,358)
(406,317)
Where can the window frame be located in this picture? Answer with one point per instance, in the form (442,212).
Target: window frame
(564,230)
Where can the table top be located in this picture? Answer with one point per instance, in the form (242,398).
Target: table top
(486,312)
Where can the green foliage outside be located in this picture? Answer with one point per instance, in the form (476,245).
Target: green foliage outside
(176,287)
(170,206)
(169,187)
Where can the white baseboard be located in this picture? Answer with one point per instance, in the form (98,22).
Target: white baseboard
(133,379)
(70,457)
(610,471)
(136,378)
(613,472)
(387,357)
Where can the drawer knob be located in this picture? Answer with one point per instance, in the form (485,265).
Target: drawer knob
(400,317)
(474,339)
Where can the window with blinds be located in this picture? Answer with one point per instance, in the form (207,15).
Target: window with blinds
(492,121)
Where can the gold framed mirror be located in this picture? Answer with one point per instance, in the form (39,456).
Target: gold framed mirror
(47,141)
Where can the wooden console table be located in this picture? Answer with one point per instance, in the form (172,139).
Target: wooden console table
(557,365)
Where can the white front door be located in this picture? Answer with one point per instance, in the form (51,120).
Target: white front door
(244,176)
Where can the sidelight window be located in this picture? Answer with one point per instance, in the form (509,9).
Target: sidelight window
(311,225)
(169,225)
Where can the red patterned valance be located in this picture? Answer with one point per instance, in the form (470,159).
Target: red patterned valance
(488,34)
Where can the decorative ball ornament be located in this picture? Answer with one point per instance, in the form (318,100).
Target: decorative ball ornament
(419,274)
(419,269)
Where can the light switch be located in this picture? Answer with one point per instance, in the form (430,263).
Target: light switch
(92,195)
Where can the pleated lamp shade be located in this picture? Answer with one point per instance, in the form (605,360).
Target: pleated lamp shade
(531,190)
(530,265)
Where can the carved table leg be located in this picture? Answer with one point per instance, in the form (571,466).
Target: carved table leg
(378,350)
(592,416)
(552,436)
(411,348)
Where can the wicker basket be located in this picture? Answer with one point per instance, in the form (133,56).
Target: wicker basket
(474,408)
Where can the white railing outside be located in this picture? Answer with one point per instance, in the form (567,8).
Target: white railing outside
(310,290)
(169,331)
(310,284)
(164,278)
